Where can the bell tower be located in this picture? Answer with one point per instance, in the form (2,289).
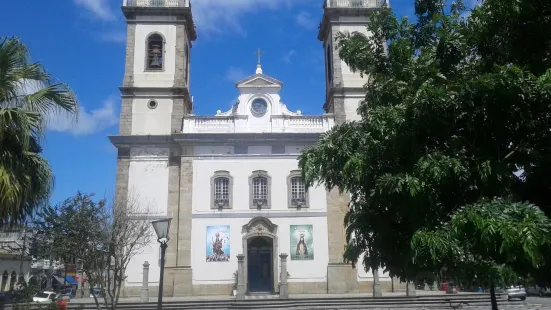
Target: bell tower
(344,92)
(155,91)
(344,89)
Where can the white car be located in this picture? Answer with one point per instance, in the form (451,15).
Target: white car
(44,297)
(516,292)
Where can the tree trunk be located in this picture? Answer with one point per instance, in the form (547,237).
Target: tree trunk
(51,274)
(65,274)
(493,295)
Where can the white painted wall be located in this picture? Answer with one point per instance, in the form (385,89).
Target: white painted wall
(10,265)
(260,149)
(222,272)
(224,150)
(368,276)
(146,121)
(152,255)
(148,180)
(351,104)
(352,24)
(293,149)
(164,78)
(148,187)
(240,169)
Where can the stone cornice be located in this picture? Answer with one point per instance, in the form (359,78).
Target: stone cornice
(132,91)
(184,15)
(123,142)
(14,256)
(267,214)
(173,92)
(209,138)
(331,15)
(239,138)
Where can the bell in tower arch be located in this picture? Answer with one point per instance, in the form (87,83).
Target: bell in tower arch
(155,56)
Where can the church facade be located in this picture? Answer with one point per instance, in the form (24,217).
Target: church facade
(231,181)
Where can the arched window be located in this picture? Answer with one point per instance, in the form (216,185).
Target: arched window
(221,187)
(296,190)
(13,280)
(5,277)
(259,184)
(155,52)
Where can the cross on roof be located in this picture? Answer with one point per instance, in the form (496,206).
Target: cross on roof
(258,53)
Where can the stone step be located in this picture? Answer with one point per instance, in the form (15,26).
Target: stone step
(398,302)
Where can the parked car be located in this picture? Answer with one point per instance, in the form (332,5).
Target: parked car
(97,292)
(70,292)
(538,291)
(45,297)
(516,292)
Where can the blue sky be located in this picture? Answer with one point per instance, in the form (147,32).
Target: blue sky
(82,43)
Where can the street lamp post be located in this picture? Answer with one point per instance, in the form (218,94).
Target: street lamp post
(161,229)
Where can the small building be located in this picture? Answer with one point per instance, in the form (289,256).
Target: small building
(15,263)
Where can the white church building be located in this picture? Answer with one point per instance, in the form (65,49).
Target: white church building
(231,182)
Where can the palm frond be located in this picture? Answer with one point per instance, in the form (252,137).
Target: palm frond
(29,96)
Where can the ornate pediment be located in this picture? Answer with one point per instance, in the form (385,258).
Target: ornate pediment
(259,80)
(260,226)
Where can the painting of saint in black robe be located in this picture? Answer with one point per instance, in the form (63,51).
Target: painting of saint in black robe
(302,245)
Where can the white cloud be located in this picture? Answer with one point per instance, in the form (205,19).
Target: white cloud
(88,122)
(235,74)
(113,36)
(288,56)
(306,20)
(99,8)
(219,16)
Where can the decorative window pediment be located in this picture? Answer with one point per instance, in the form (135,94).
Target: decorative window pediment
(296,190)
(260,184)
(221,184)
(259,226)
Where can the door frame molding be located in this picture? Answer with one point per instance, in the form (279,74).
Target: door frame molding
(261,227)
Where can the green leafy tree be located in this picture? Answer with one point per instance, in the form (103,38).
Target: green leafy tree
(58,234)
(102,237)
(447,121)
(488,239)
(28,94)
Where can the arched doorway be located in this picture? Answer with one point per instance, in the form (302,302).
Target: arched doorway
(4,284)
(261,259)
(13,281)
(259,265)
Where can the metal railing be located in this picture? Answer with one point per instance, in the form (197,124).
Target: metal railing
(158,3)
(354,3)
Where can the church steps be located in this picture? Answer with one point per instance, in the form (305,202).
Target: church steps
(439,301)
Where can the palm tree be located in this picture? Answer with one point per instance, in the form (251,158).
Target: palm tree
(28,96)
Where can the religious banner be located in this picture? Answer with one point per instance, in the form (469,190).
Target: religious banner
(302,242)
(218,243)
